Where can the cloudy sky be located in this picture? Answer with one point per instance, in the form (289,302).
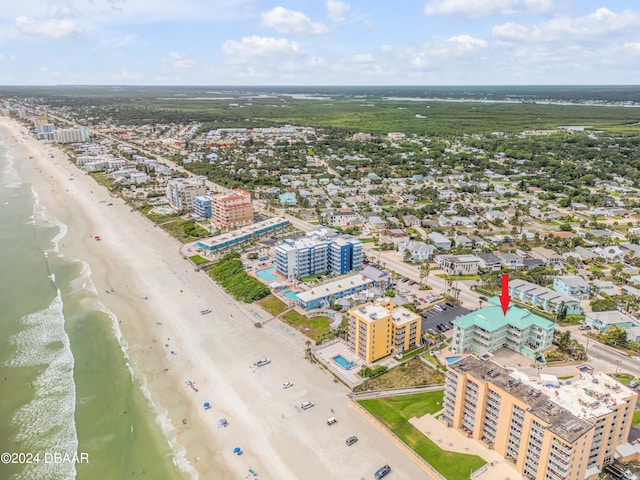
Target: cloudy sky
(319,42)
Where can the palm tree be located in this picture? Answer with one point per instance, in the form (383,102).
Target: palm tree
(425,269)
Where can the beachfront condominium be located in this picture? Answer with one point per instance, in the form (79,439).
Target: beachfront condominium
(546,429)
(231,210)
(317,252)
(181,192)
(71,135)
(379,329)
(202,207)
(488,329)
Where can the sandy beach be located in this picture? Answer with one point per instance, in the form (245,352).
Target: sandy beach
(156,296)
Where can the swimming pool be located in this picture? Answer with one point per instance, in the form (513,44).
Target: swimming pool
(451,360)
(163,210)
(267,274)
(343,362)
(291,295)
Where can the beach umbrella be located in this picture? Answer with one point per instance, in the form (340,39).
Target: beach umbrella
(223,421)
(237,451)
(207,405)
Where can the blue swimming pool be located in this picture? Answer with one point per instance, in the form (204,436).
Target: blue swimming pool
(267,274)
(291,295)
(451,360)
(343,362)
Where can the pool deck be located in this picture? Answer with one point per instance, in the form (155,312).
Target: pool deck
(325,353)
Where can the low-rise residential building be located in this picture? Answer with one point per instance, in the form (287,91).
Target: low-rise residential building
(418,251)
(411,221)
(342,219)
(549,257)
(572,285)
(511,260)
(324,295)
(439,240)
(542,297)
(603,321)
(379,329)
(489,262)
(544,428)
(250,233)
(489,329)
(459,264)
(394,235)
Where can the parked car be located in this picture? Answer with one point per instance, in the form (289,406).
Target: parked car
(351,440)
(633,384)
(204,311)
(306,405)
(262,362)
(483,298)
(331,420)
(382,472)
(287,384)
(584,327)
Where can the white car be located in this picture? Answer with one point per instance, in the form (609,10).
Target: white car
(204,311)
(262,363)
(287,384)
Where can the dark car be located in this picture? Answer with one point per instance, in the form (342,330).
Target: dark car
(483,298)
(351,440)
(382,472)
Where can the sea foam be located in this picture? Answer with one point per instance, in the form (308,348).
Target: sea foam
(47,423)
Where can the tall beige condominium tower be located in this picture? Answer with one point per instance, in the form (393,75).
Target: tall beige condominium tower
(546,429)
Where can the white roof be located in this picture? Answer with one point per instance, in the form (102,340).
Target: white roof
(335,287)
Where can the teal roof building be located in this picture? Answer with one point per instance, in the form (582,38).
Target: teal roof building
(488,329)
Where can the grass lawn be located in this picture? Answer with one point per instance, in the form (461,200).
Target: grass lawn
(395,413)
(313,278)
(624,378)
(367,240)
(198,260)
(635,421)
(409,374)
(313,327)
(273,305)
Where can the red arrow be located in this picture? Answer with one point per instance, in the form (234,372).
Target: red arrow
(505,298)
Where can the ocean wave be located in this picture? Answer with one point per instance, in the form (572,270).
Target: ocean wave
(43,217)
(10,177)
(162,418)
(47,423)
(82,284)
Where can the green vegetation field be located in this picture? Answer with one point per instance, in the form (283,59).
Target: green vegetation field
(273,305)
(230,274)
(316,328)
(395,412)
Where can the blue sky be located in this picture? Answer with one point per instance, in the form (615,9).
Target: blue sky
(319,42)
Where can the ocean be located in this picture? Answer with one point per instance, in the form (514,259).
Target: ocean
(70,406)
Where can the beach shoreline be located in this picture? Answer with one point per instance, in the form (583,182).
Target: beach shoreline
(156,296)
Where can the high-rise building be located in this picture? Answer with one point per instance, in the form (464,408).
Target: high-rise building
(378,329)
(318,251)
(231,210)
(71,135)
(202,207)
(181,192)
(546,429)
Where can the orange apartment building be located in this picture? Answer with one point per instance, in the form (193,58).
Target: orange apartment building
(546,430)
(231,210)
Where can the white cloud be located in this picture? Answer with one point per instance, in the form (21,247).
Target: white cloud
(318,62)
(478,8)
(1,57)
(254,46)
(51,28)
(180,61)
(602,22)
(290,22)
(337,11)
(467,43)
(363,58)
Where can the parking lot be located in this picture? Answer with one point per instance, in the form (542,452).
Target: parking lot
(438,319)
